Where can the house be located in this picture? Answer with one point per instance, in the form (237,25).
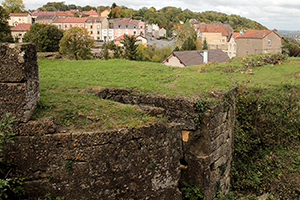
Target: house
(153,30)
(187,58)
(19,18)
(258,41)
(19,31)
(91,13)
(216,35)
(105,13)
(139,40)
(58,22)
(45,19)
(95,25)
(231,52)
(129,27)
(72,22)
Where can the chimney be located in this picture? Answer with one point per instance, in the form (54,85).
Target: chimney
(205,56)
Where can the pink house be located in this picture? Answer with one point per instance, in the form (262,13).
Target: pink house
(129,27)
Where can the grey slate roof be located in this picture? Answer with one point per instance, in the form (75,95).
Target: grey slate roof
(188,58)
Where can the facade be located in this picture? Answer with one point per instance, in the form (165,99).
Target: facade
(129,27)
(94,25)
(258,41)
(232,45)
(217,35)
(73,22)
(19,31)
(187,58)
(19,18)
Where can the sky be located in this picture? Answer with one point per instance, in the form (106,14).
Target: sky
(274,14)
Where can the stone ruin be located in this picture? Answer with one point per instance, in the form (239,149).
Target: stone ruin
(149,162)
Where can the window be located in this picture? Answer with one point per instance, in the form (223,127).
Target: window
(247,41)
(98,32)
(134,32)
(247,53)
(269,42)
(70,25)
(85,26)
(98,27)
(91,26)
(66,26)
(20,34)
(91,32)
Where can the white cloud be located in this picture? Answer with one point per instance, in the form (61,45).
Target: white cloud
(279,14)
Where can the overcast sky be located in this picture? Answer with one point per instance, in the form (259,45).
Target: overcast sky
(279,14)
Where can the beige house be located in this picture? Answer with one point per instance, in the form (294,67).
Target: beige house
(19,31)
(19,18)
(72,22)
(95,25)
(187,58)
(258,41)
(217,35)
(231,52)
(105,13)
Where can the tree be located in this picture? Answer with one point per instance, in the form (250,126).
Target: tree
(76,43)
(186,30)
(13,6)
(205,45)
(115,11)
(5,34)
(189,44)
(130,47)
(45,36)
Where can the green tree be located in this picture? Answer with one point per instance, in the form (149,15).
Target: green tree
(205,45)
(13,6)
(130,47)
(76,44)
(5,35)
(189,44)
(186,30)
(45,36)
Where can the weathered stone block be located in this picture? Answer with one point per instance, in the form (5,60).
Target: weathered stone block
(18,62)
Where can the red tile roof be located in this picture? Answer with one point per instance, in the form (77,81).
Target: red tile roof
(95,19)
(19,14)
(91,12)
(235,34)
(21,27)
(59,20)
(257,34)
(127,21)
(213,28)
(74,20)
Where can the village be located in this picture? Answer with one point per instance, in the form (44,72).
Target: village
(220,37)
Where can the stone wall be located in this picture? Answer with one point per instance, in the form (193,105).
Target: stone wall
(141,163)
(19,80)
(149,162)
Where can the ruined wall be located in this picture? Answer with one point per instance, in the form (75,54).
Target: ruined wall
(19,80)
(207,134)
(149,162)
(141,163)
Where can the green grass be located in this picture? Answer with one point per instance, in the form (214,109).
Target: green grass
(63,84)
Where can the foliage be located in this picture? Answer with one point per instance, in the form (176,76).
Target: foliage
(115,12)
(130,47)
(45,36)
(205,45)
(76,44)
(189,44)
(118,52)
(152,53)
(10,187)
(5,34)
(13,6)
(191,192)
(186,31)
(267,120)
(68,164)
